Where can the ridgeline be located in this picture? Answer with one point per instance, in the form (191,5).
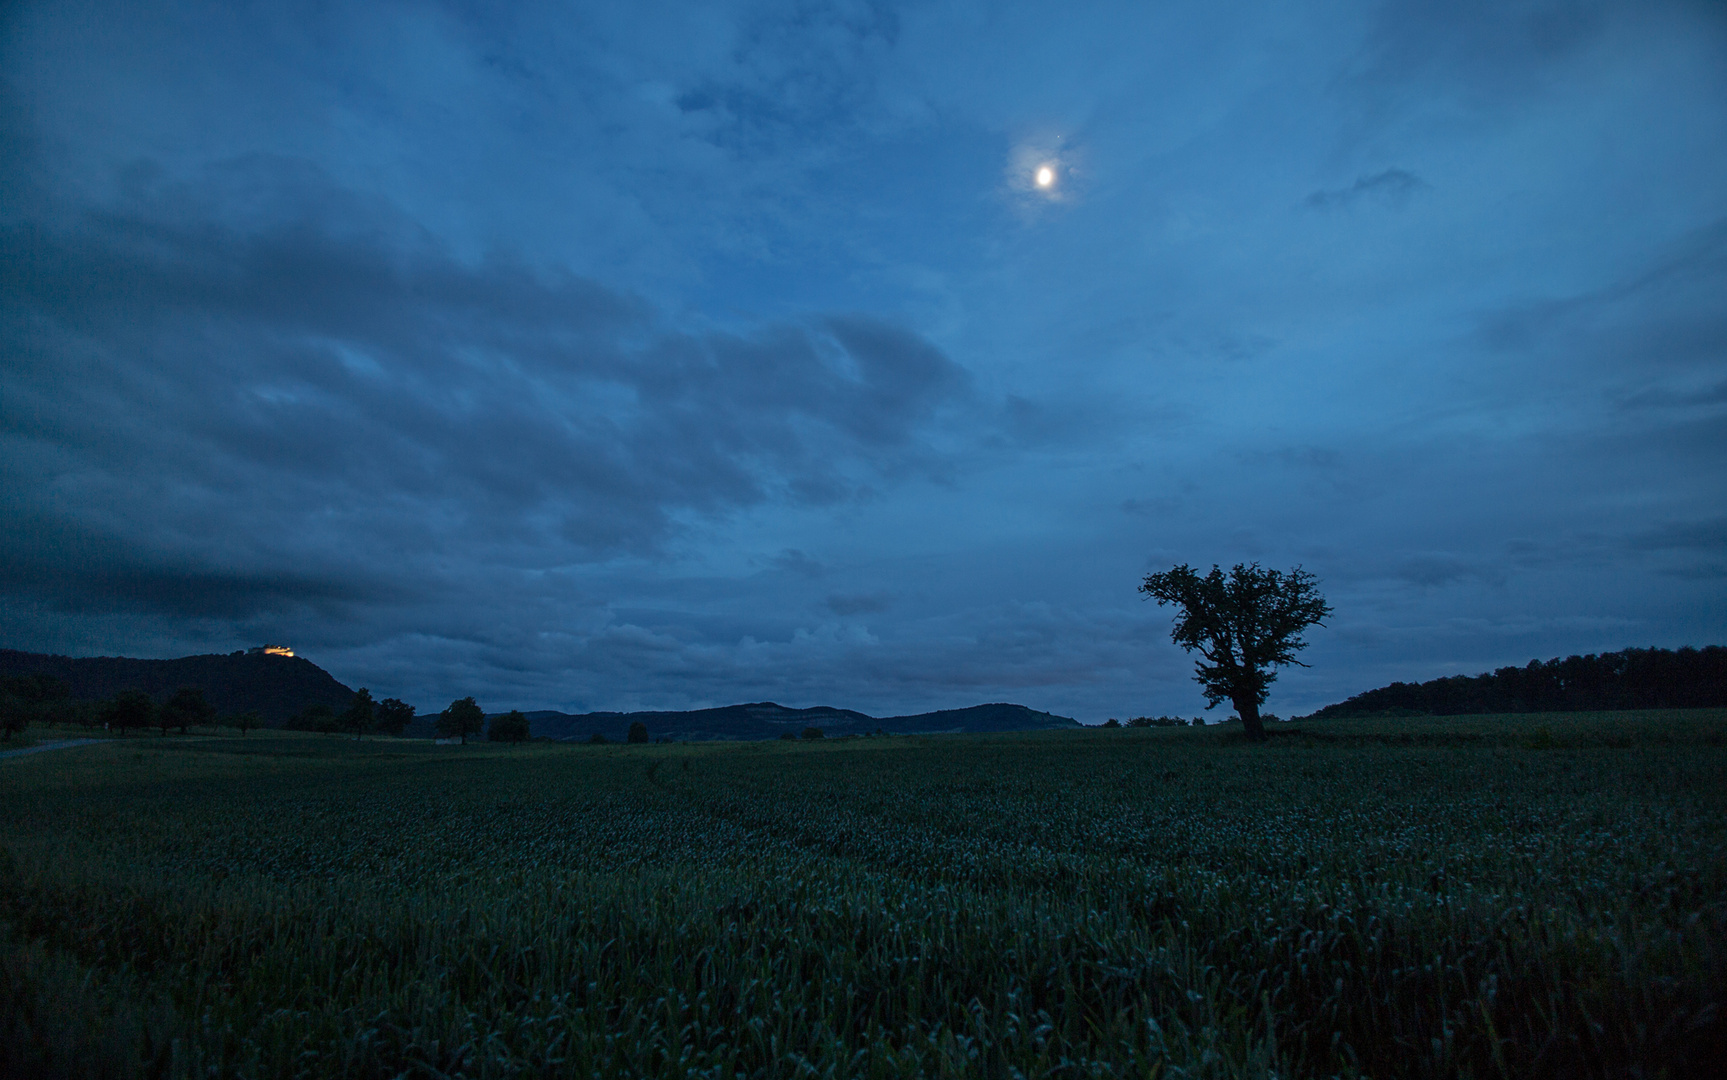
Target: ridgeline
(279,688)
(275,687)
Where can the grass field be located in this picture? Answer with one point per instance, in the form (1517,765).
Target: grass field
(1480,896)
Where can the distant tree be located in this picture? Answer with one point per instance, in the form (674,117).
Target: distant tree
(316,717)
(638,732)
(127,710)
(27,699)
(186,708)
(597,739)
(1243,625)
(1112,722)
(464,717)
(357,717)
(15,713)
(791,735)
(394,715)
(1157,721)
(245,721)
(511,727)
(813,733)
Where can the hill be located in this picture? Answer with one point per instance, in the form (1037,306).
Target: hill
(275,687)
(1630,679)
(768,720)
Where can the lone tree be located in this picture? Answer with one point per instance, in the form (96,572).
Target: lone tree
(357,717)
(1243,625)
(511,727)
(638,731)
(394,714)
(464,717)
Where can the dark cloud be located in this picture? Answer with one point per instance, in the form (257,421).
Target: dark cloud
(1486,48)
(1707,535)
(266,352)
(860,604)
(78,571)
(1434,569)
(794,561)
(1393,187)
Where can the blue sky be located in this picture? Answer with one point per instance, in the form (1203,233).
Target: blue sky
(666,355)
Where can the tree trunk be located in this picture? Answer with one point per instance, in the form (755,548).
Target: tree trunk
(1248,709)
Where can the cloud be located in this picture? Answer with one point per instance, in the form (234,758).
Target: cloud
(83,572)
(859,604)
(1706,535)
(262,368)
(1393,187)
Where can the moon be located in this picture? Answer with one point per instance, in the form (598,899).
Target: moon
(1045,176)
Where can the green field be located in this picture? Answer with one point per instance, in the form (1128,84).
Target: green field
(1478,896)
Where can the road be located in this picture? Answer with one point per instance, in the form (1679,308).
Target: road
(59,744)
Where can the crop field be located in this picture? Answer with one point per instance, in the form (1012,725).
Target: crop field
(1472,896)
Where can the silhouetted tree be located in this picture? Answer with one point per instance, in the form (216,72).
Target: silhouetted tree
(317,717)
(357,717)
(511,727)
(813,733)
(638,731)
(597,739)
(27,699)
(1243,625)
(394,716)
(1112,722)
(245,721)
(186,708)
(127,710)
(15,713)
(464,717)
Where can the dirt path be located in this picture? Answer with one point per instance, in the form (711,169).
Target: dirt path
(58,744)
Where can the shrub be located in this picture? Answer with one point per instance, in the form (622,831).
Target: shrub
(812,733)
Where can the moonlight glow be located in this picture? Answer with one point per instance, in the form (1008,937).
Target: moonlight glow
(1045,176)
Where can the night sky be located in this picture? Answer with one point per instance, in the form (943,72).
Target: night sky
(662,355)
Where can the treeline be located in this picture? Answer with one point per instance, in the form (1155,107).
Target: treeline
(1631,679)
(46,701)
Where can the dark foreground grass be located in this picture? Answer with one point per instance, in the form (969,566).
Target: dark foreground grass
(1482,897)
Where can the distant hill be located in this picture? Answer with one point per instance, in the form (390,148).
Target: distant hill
(767,720)
(1630,679)
(275,687)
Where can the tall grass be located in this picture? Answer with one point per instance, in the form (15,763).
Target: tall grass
(1125,903)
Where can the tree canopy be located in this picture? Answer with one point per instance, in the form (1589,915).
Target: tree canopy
(128,709)
(511,727)
(186,708)
(357,717)
(464,717)
(1243,625)
(393,716)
